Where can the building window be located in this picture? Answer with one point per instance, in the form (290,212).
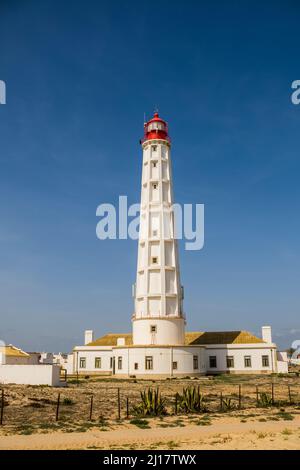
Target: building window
(149,362)
(247,361)
(154,148)
(153,328)
(82,363)
(154,260)
(212,362)
(136,366)
(154,164)
(195,362)
(175,365)
(154,232)
(111,362)
(265,361)
(154,185)
(97,362)
(230,361)
(120,362)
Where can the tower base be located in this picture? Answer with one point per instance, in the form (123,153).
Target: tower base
(158,331)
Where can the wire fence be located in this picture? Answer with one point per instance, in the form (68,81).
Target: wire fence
(43,405)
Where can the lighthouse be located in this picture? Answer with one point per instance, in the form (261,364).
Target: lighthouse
(158,317)
(158,346)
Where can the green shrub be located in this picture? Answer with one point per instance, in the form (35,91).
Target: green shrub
(191,400)
(68,401)
(140,423)
(264,400)
(152,404)
(228,404)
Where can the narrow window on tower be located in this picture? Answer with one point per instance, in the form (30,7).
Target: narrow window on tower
(154,148)
(153,328)
(154,164)
(155,186)
(136,366)
(175,365)
(149,362)
(154,260)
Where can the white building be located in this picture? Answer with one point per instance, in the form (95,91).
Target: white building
(20,367)
(159,345)
(65,361)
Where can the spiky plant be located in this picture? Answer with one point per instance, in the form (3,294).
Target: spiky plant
(264,400)
(227,404)
(191,400)
(152,404)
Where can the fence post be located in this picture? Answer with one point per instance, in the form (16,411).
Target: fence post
(257,395)
(176,403)
(240,396)
(221,401)
(91,407)
(273,400)
(2,407)
(127,408)
(119,405)
(57,407)
(290,394)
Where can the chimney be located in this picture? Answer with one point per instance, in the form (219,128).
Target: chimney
(266,333)
(88,336)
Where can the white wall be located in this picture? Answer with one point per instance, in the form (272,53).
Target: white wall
(163,359)
(282,362)
(70,364)
(41,374)
(90,353)
(282,367)
(239,352)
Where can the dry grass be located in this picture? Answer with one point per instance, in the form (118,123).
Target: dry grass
(32,409)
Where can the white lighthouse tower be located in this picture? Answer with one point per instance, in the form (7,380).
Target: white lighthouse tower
(158,317)
(159,346)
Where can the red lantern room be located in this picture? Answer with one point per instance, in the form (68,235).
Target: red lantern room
(156,128)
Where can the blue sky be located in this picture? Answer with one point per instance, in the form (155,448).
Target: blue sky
(79,77)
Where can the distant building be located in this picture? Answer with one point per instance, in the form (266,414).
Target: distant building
(20,367)
(65,361)
(13,356)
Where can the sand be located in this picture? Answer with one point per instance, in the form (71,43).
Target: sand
(222,435)
(29,416)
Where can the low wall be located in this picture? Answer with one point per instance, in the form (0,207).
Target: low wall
(282,367)
(42,374)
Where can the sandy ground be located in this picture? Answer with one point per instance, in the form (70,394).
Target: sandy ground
(30,411)
(222,435)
